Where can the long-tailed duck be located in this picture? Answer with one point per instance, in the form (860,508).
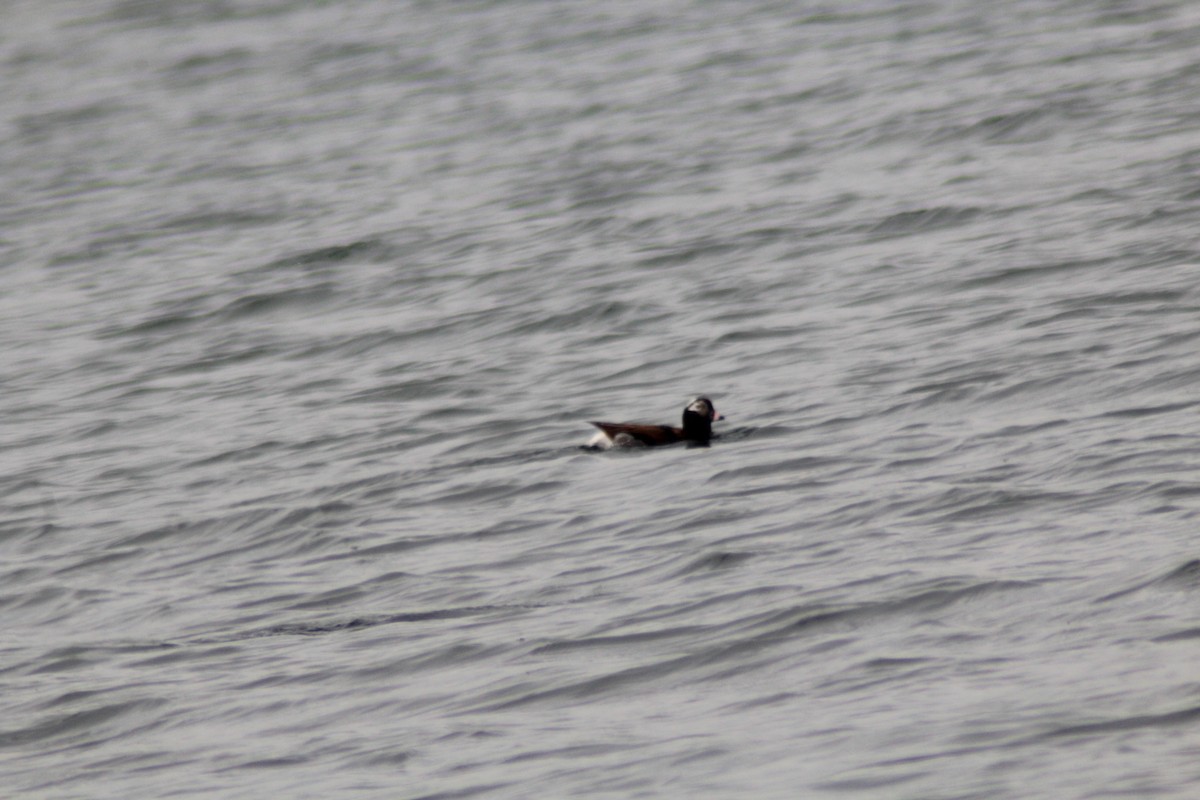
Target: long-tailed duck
(698,418)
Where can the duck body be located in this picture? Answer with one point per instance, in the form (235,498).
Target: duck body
(698,418)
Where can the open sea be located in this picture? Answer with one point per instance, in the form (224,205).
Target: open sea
(305,308)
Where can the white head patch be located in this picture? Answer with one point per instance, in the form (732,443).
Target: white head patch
(703,407)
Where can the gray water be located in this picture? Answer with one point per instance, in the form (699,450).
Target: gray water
(305,307)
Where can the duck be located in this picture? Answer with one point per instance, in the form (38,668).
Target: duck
(698,417)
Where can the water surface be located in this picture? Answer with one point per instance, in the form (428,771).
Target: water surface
(305,308)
